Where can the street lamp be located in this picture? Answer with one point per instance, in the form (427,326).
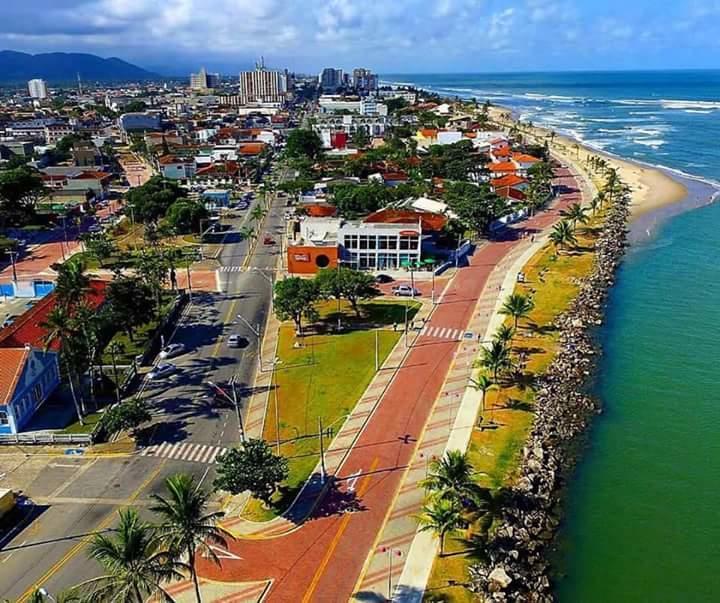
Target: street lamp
(45,593)
(233,400)
(13,255)
(391,552)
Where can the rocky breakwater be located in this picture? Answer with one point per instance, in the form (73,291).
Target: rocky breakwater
(516,568)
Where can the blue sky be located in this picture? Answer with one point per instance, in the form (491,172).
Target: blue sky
(390,36)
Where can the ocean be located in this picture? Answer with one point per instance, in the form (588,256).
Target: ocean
(641,514)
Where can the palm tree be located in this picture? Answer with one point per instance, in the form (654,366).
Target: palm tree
(115,348)
(575,213)
(248,232)
(452,476)
(72,284)
(482,384)
(563,234)
(518,306)
(597,202)
(505,334)
(187,527)
(496,358)
(441,516)
(258,213)
(60,327)
(135,563)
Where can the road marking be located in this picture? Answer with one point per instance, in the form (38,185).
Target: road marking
(104,523)
(352,480)
(336,539)
(222,553)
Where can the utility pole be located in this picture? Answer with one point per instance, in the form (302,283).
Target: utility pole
(189,283)
(241,427)
(13,255)
(322,450)
(377,351)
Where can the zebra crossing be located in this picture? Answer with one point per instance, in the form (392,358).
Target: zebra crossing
(230,268)
(442,332)
(184,451)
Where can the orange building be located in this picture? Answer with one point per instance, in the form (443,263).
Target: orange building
(308,259)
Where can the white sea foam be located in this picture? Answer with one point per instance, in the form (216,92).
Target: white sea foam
(650,142)
(690,104)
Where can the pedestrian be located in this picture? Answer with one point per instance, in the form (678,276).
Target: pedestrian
(532,239)
(394,326)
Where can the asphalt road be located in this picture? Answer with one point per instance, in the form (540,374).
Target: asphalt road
(75,496)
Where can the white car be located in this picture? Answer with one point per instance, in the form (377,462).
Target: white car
(162,370)
(236,341)
(405,291)
(172,350)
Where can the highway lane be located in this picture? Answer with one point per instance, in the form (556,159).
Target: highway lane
(82,495)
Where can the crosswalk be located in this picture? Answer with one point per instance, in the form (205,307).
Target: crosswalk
(230,268)
(184,451)
(442,332)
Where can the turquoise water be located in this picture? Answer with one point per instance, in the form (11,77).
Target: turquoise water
(643,510)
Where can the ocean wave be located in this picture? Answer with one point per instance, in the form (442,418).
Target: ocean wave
(612,120)
(690,104)
(654,143)
(701,111)
(558,98)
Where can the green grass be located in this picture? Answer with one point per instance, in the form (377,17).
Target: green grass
(325,379)
(90,420)
(553,281)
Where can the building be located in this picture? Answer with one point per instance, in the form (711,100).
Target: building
(130,123)
(364,81)
(324,242)
(263,85)
(38,89)
(410,96)
(203,80)
(327,125)
(86,154)
(29,370)
(331,79)
(330,103)
(176,168)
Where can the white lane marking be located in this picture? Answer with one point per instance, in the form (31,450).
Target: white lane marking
(162,449)
(217,450)
(223,553)
(352,480)
(194,451)
(178,451)
(206,454)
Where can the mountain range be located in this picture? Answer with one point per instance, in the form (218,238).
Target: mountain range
(64,67)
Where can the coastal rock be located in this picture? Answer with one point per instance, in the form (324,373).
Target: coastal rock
(498,578)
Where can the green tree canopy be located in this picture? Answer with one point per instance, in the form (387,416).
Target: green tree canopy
(476,206)
(184,215)
(352,285)
(20,190)
(126,416)
(152,200)
(100,245)
(295,299)
(353,200)
(303,143)
(130,301)
(253,467)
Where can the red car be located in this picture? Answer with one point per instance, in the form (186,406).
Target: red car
(268,240)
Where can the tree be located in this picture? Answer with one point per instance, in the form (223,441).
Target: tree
(575,213)
(303,143)
(130,301)
(518,306)
(257,213)
(136,106)
(360,138)
(563,234)
(152,200)
(441,516)
(353,200)
(496,358)
(136,565)
(187,527)
(20,190)
(115,348)
(295,299)
(152,268)
(476,206)
(125,416)
(452,477)
(505,334)
(72,284)
(184,216)
(482,384)
(253,467)
(353,285)
(394,105)
(100,246)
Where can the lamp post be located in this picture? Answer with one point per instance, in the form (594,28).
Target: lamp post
(233,400)
(13,255)
(391,552)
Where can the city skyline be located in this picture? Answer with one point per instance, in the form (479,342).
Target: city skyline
(406,37)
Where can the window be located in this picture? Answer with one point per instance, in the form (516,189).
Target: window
(322,261)
(392,243)
(364,242)
(351,241)
(4,418)
(38,393)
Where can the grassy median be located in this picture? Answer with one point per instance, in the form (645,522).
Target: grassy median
(323,379)
(553,280)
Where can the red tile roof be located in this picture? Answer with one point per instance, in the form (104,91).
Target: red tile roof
(228,168)
(503,167)
(394,176)
(12,361)
(26,329)
(428,133)
(524,158)
(510,193)
(429,222)
(502,152)
(252,148)
(508,180)
(320,210)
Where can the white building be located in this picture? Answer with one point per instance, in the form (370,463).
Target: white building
(378,246)
(37,89)
(204,81)
(263,85)
(327,124)
(408,95)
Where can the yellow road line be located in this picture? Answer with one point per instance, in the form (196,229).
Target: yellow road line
(104,523)
(336,539)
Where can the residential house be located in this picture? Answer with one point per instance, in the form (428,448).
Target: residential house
(176,168)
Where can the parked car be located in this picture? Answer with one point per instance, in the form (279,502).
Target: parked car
(172,350)
(384,278)
(237,341)
(9,319)
(268,240)
(162,370)
(405,291)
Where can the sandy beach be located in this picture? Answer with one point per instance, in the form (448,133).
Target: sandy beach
(651,188)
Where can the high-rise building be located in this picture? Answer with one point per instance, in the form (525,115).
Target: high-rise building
(331,79)
(37,89)
(204,81)
(364,81)
(263,85)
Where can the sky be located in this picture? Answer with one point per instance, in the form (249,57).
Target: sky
(388,36)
